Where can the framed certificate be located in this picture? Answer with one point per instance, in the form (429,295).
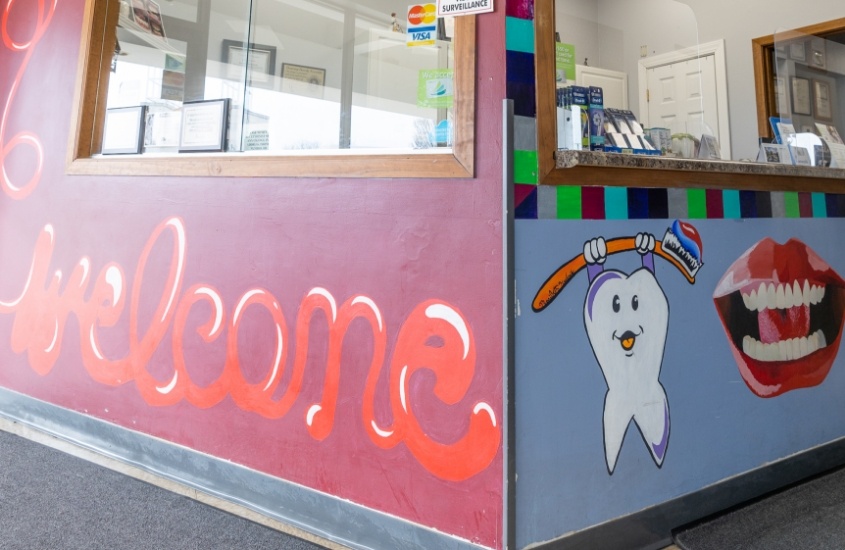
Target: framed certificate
(124,130)
(260,61)
(204,126)
(302,80)
(822,107)
(801,104)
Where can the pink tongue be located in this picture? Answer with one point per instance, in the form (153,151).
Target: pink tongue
(783,324)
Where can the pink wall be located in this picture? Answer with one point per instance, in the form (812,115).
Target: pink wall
(170,248)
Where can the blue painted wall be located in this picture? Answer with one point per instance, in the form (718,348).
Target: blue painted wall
(719,428)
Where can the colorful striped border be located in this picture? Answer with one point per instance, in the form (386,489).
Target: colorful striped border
(624,203)
(534,201)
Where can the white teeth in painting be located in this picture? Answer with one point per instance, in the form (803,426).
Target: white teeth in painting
(783,296)
(785,350)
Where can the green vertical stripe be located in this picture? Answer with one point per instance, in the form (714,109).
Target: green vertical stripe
(568,202)
(819,205)
(616,203)
(525,168)
(793,210)
(730,202)
(697,199)
(519,34)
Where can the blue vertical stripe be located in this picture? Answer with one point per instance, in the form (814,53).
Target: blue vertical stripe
(819,205)
(730,202)
(748,204)
(616,203)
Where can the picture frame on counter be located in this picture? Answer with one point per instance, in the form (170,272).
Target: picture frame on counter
(774,153)
(801,94)
(800,156)
(204,126)
(123,133)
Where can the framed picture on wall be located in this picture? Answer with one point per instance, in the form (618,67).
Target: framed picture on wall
(822,106)
(801,104)
(798,51)
(302,80)
(780,96)
(260,61)
(816,55)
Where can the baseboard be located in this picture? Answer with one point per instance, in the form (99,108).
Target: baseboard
(652,528)
(305,513)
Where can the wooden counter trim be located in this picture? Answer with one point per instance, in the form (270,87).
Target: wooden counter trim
(585,168)
(97,43)
(398,165)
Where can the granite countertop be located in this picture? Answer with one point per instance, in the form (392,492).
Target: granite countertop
(571,159)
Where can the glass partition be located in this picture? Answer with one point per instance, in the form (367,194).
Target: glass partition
(808,107)
(657,88)
(292,75)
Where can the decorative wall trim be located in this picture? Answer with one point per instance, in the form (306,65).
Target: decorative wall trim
(607,203)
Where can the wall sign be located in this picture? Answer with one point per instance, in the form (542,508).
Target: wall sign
(463,7)
(435,88)
(422,25)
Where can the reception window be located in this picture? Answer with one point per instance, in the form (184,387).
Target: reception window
(275,87)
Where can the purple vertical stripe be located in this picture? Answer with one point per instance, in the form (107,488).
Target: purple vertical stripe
(523,9)
(805,205)
(715,206)
(592,203)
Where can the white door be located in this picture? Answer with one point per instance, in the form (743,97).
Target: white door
(686,92)
(683,96)
(614,84)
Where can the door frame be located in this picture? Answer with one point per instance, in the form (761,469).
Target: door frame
(580,70)
(717,50)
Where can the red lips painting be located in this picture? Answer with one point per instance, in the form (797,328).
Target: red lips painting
(781,306)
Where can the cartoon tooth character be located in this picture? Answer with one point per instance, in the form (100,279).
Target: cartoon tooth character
(627,320)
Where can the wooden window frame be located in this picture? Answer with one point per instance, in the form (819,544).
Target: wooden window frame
(98,37)
(586,168)
(763,49)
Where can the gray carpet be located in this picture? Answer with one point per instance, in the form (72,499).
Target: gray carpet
(808,516)
(51,500)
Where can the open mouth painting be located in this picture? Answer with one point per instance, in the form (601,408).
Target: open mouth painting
(781,306)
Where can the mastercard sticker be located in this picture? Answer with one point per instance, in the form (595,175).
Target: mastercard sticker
(422,24)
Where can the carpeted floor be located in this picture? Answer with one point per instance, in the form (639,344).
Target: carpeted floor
(51,500)
(809,516)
